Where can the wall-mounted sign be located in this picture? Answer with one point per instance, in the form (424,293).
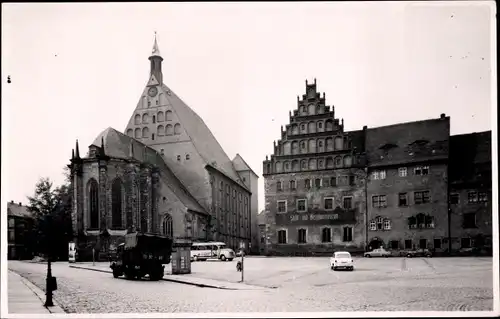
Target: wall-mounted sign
(319,217)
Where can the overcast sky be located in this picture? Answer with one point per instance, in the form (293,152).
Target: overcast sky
(77,69)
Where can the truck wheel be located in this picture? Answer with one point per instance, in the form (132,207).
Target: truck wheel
(116,274)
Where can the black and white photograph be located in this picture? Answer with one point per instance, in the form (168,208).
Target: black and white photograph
(249,159)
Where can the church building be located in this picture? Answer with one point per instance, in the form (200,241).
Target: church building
(166,174)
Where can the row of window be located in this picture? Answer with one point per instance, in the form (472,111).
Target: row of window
(472,198)
(419,197)
(161,131)
(311,109)
(315,145)
(326,235)
(167,116)
(402,172)
(313,163)
(233,201)
(343,180)
(302,205)
(423,243)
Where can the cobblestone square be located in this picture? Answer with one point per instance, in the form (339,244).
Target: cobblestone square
(288,284)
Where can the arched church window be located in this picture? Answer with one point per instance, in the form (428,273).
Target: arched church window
(338,161)
(137,133)
(161,116)
(329,144)
(177,129)
(168,116)
(161,130)
(145,118)
(168,227)
(329,162)
(339,143)
(145,132)
(320,126)
(93,202)
(169,129)
(329,125)
(117,191)
(312,146)
(137,119)
(130,132)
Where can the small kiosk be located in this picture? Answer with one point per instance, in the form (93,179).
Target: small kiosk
(181,256)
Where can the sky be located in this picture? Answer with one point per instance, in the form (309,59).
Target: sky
(77,69)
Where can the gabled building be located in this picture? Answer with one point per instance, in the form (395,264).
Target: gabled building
(167,174)
(315,183)
(19,226)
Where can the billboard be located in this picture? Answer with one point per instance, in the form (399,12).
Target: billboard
(317,217)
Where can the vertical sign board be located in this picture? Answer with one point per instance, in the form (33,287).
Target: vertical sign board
(72,252)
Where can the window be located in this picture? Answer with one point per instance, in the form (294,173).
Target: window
(482,197)
(282,237)
(116,203)
(301,205)
(93,189)
(382,174)
(347,234)
(282,206)
(168,228)
(421,170)
(12,222)
(343,180)
(279,186)
(422,197)
(403,199)
(307,183)
(326,182)
(347,203)
(469,220)
(333,181)
(12,235)
(153,136)
(403,172)
(378,174)
(320,125)
(352,180)
(422,243)
(328,203)
(429,221)
(379,201)
(187,156)
(465,242)
(387,224)
(437,243)
(317,182)
(304,164)
(380,223)
(292,185)
(302,234)
(454,198)
(408,244)
(394,244)
(373,225)
(178,157)
(326,235)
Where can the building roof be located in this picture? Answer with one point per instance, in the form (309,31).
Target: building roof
(17,209)
(408,142)
(471,154)
(118,145)
(204,141)
(240,164)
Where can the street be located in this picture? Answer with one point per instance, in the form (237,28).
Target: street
(288,284)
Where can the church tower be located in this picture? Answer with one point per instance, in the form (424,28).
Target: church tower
(156,61)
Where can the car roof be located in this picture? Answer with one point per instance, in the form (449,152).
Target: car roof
(341,252)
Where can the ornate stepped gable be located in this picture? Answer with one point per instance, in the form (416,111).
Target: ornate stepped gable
(163,121)
(314,139)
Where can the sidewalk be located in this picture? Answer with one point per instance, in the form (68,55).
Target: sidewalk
(182,279)
(25,298)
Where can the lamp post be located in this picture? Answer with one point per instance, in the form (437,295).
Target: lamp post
(48,281)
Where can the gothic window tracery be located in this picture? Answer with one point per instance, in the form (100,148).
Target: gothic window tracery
(93,202)
(117,191)
(168,229)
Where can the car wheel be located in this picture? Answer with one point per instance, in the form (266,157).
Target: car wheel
(223,258)
(386,256)
(195,258)
(331,267)
(368,255)
(352,268)
(409,255)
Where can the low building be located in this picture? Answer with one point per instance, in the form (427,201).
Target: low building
(20,236)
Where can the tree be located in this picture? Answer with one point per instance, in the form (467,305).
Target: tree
(51,208)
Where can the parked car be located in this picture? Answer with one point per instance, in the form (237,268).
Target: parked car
(379,252)
(417,253)
(341,260)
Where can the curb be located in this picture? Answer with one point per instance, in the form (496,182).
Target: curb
(164,279)
(40,294)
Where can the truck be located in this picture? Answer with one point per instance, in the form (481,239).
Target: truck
(142,254)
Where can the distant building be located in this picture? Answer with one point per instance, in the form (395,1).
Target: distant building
(20,226)
(403,186)
(167,174)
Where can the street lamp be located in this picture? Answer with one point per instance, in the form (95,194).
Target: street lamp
(49,280)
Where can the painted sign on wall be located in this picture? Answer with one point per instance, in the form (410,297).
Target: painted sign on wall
(319,217)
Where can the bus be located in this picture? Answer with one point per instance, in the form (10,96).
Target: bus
(211,250)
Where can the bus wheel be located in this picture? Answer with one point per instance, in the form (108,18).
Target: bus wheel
(195,258)
(222,257)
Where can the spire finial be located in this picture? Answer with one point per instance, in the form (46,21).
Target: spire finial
(77,151)
(156,50)
(73,154)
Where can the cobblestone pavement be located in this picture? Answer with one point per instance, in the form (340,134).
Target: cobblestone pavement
(302,284)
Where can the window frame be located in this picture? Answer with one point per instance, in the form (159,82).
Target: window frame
(401,170)
(377,199)
(330,239)
(469,226)
(293,185)
(454,195)
(286,236)
(344,239)
(406,204)
(437,240)
(279,186)
(305,205)
(343,202)
(333,203)
(299,241)
(422,193)
(278,206)
(387,224)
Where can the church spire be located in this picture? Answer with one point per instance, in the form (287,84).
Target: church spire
(156,60)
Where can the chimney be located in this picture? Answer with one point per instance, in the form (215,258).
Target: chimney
(365,127)
(443,115)
(12,202)
(20,204)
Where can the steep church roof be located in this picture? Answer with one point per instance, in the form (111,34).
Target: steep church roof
(118,145)
(204,141)
(240,164)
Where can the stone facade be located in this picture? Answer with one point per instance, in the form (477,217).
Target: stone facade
(397,176)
